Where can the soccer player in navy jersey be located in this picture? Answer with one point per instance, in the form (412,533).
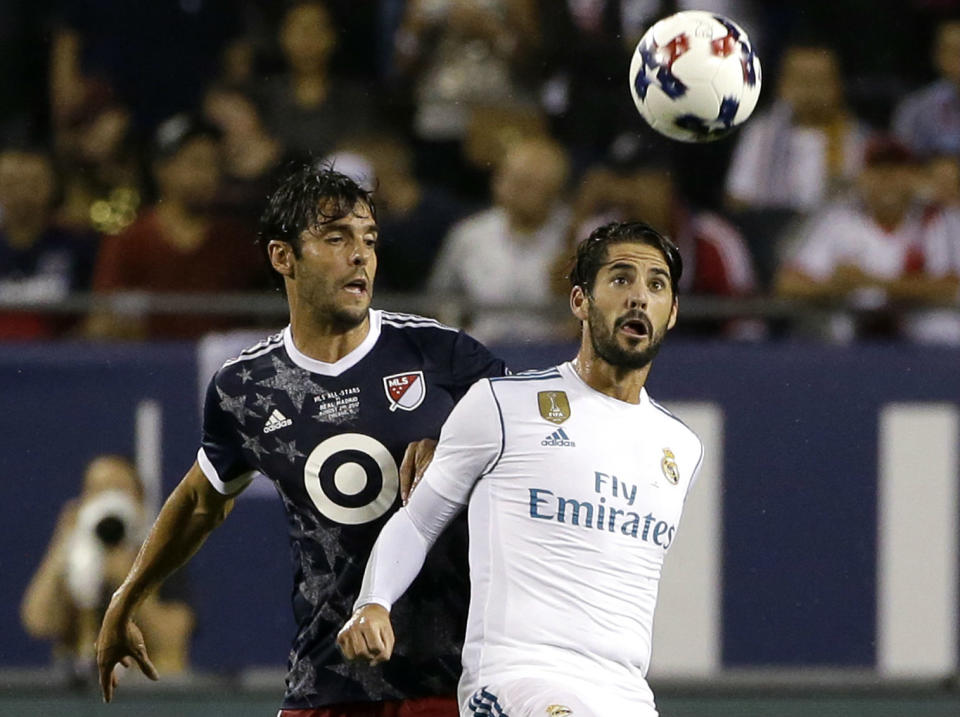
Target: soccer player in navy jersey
(326,409)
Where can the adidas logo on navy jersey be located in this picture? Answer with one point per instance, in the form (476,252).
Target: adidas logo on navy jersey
(276,421)
(558,438)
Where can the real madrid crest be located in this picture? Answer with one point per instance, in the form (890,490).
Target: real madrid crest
(554,406)
(669,467)
(559,711)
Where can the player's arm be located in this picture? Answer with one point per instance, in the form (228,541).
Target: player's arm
(470,446)
(189,515)
(395,561)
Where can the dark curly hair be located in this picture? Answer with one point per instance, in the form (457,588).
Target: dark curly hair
(308,195)
(592,252)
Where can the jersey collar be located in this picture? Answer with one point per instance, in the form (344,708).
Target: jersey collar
(568,369)
(338,367)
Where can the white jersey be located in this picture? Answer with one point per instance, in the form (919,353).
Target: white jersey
(574,499)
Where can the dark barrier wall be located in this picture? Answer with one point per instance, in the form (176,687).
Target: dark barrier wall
(800,486)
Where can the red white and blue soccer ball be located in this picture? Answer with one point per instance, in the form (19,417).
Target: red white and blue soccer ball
(695,76)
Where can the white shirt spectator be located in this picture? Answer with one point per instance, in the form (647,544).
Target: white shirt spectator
(777,164)
(483,260)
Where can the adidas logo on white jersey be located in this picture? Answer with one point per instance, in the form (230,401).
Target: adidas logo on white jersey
(276,421)
(558,438)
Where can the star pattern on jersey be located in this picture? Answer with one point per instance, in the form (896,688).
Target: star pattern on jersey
(327,538)
(302,678)
(264,403)
(293,381)
(245,374)
(235,405)
(370,681)
(313,588)
(252,444)
(329,541)
(289,450)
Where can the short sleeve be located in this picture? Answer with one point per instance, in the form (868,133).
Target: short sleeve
(471,443)
(221,453)
(470,362)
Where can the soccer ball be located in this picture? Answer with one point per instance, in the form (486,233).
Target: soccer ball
(694,76)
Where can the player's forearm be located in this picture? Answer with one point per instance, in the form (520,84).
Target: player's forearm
(400,551)
(186,519)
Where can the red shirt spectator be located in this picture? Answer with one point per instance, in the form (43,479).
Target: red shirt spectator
(144,258)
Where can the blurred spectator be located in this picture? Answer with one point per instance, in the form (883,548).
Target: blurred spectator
(250,154)
(504,254)
(630,186)
(178,245)
(307,108)
(928,119)
(883,246)
(807,147)
(100,163)
(93,545)
(39,261)
(942,181)
(460,56)
(414,216)
(157,55)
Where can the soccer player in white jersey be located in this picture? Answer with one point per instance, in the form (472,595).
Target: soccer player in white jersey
(575,480)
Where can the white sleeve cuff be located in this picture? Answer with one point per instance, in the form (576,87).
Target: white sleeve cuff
(230,487)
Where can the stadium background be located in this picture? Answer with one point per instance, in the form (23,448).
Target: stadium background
(818,568)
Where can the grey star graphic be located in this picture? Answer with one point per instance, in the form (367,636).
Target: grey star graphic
(329,541)
(265,403)
(293,381)
(252,444)
(289,449)
(313,587)
(302,678)
(235,405)
(245,374)
(328,613)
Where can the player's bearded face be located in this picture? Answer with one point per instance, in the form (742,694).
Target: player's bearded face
(631,307)
(337,266)
(616,351)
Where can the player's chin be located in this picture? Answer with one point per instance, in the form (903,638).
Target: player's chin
(353,312)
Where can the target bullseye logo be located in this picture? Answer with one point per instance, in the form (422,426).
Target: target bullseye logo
(351,478)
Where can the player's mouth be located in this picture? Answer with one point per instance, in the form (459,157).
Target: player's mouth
(635,327)
(358,287)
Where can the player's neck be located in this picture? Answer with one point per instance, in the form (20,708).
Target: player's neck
(324,339)
(623,384)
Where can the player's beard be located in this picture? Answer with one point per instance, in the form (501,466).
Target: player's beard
(326,309)
(606,346)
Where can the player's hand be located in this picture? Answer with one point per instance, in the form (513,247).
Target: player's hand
(415,461)
(120,641)
(367,635)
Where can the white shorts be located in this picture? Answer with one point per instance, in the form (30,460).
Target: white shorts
(541,698)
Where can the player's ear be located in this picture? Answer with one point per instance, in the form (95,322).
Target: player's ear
(282,258)
(579,303)
(672,321)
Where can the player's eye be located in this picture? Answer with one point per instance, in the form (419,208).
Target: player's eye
(334,238)
(657,284)
(620,280)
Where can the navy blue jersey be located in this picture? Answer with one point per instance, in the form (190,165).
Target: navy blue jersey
(331,438)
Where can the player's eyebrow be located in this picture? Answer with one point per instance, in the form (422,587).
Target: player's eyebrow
(660,271)
(344,224)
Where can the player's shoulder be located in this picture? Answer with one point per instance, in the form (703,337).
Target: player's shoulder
(243,367)
(417,327)
(529,376)
(669,422)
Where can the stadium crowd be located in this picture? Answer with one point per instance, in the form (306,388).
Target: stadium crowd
(139,140)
